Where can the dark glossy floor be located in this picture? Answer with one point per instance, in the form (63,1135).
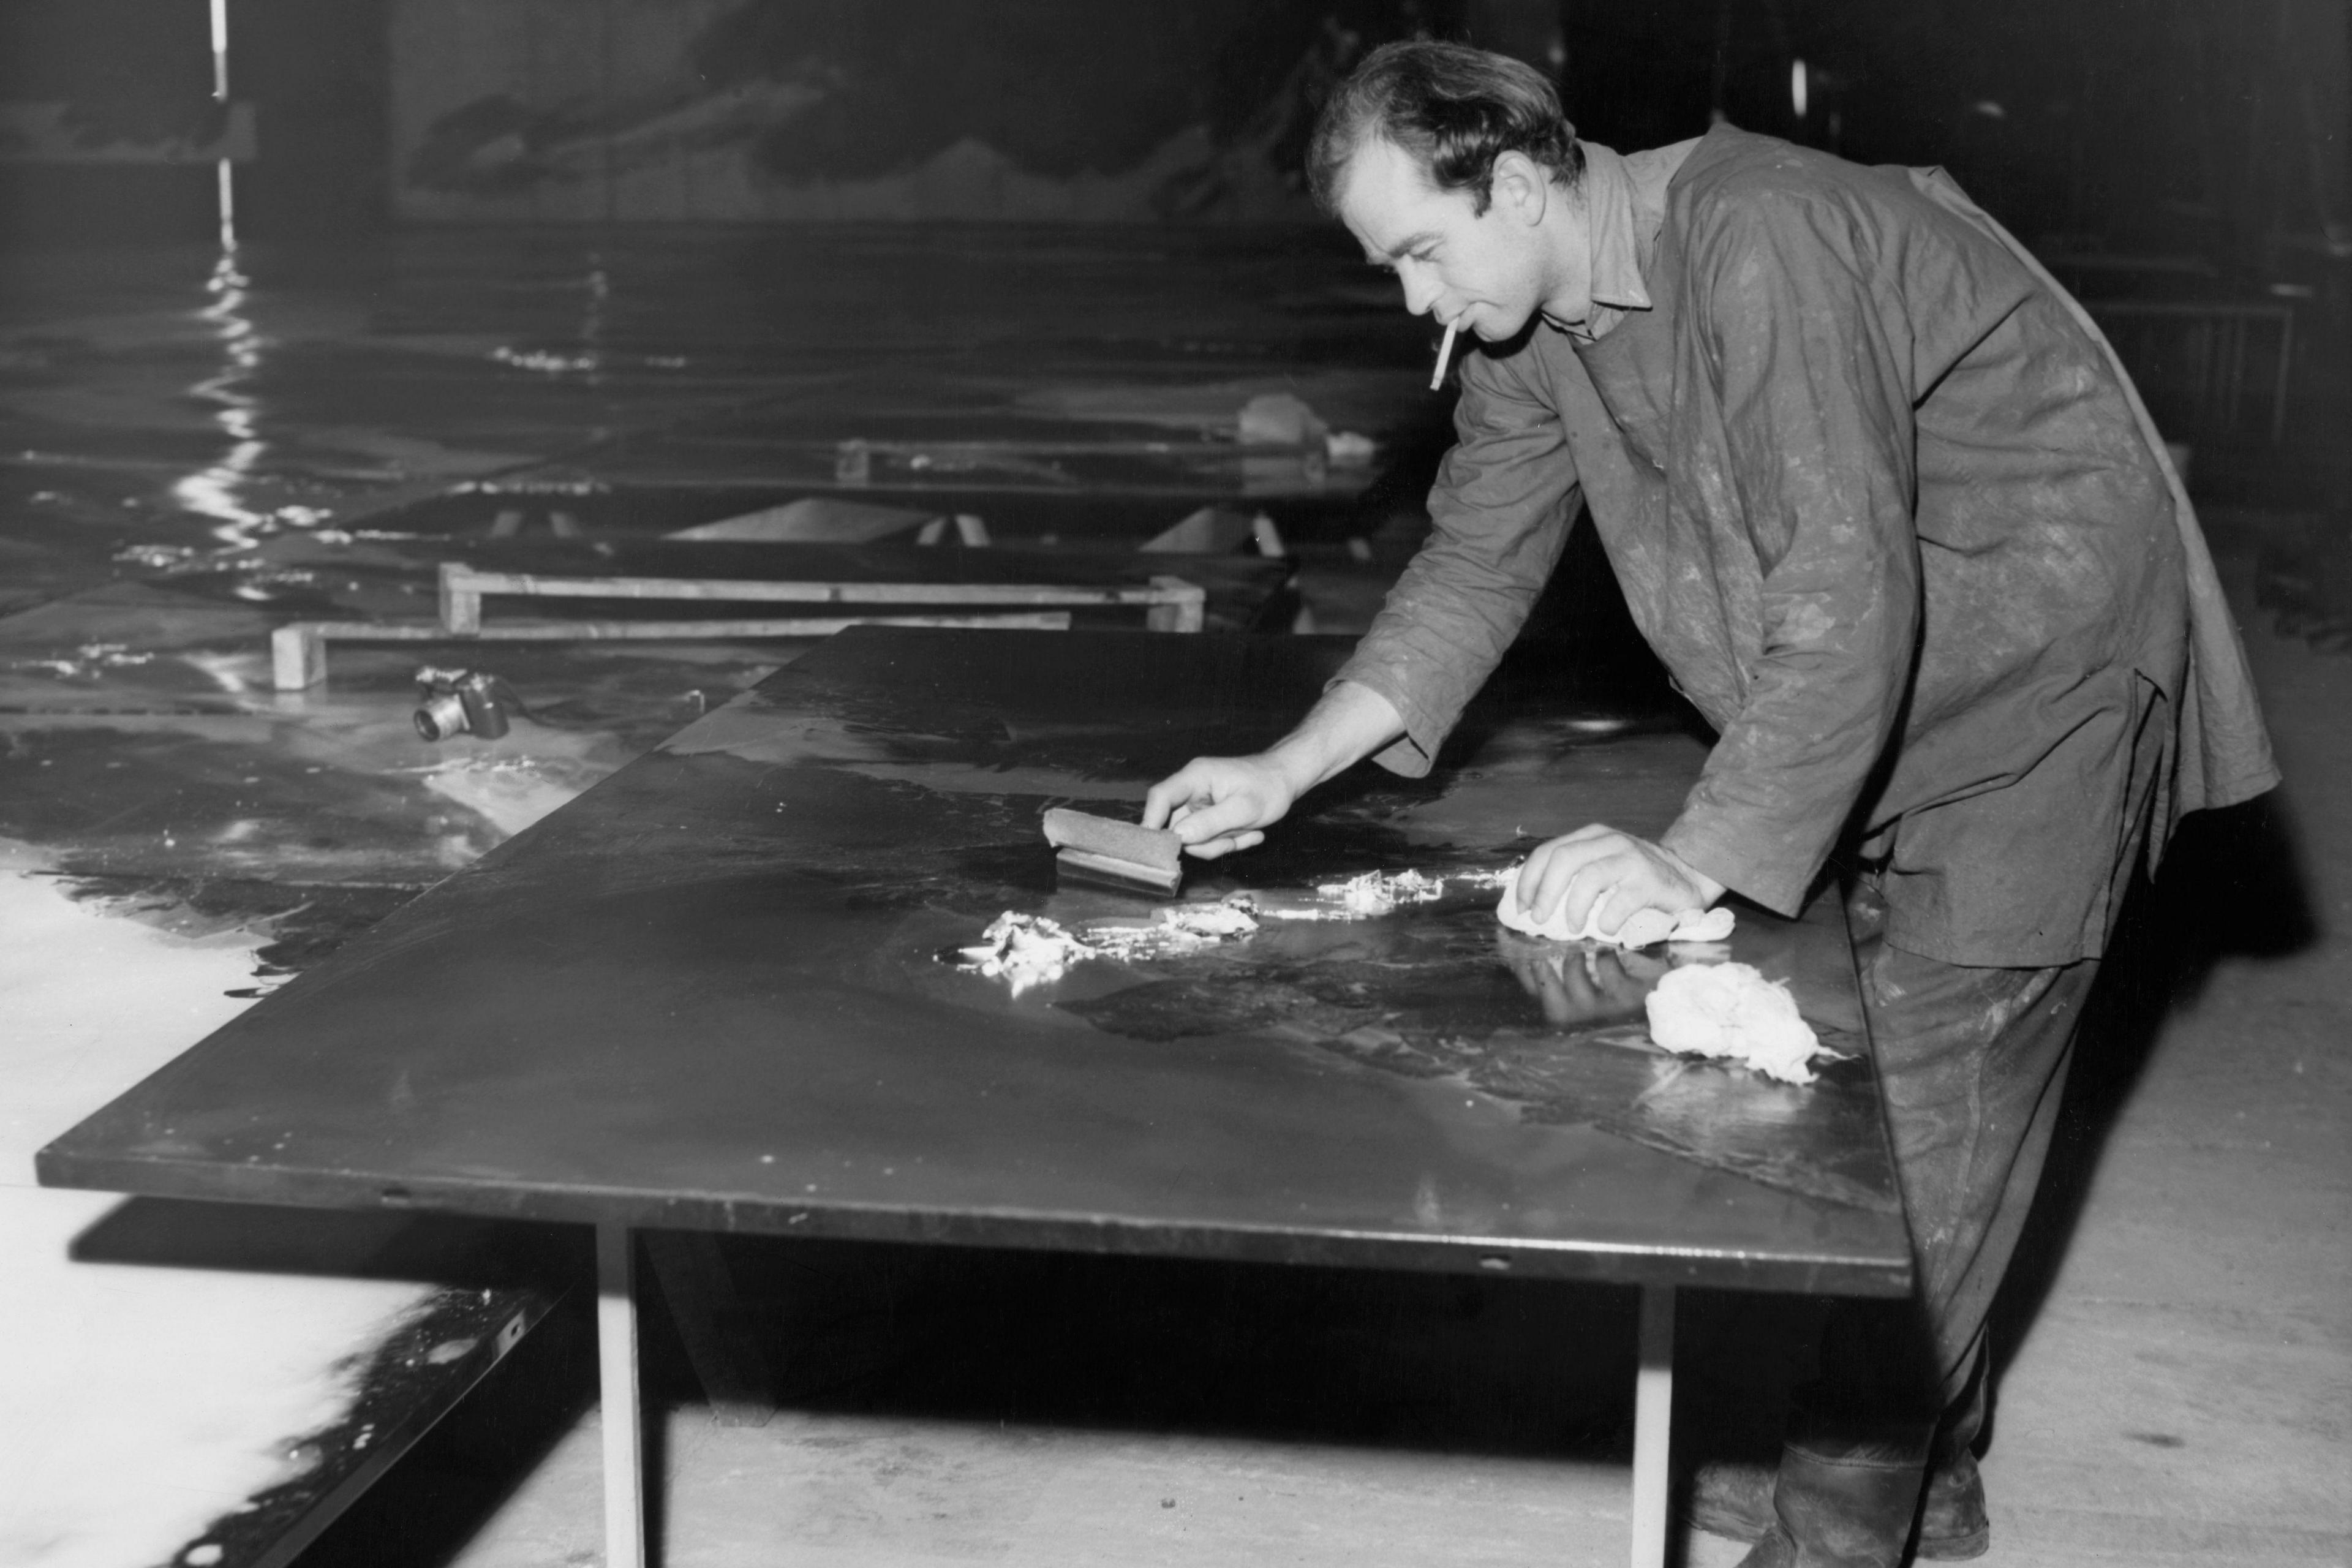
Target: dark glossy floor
(192,450)
(188,448)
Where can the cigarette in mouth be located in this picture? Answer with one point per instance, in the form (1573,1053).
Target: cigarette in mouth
(1445,353)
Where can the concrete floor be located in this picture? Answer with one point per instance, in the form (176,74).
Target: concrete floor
(174,436)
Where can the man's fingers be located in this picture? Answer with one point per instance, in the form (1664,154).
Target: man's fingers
(1600,877)
(1172,795)
(1556,861)
(1599,890)
(1225,845)
(1205,822)
(1572,876)
(1217,804)
(1163,799)
(1539,880)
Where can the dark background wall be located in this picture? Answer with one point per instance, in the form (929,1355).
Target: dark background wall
(316,72)
(2213,125)
(2139,122)
(127,66)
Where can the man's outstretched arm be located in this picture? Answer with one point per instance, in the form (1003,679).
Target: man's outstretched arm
(1218,804)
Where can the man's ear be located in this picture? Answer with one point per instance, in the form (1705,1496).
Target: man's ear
(1520,187)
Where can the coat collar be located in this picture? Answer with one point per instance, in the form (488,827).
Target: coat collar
(1625,205)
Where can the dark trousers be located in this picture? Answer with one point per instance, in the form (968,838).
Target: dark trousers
(1973,1064)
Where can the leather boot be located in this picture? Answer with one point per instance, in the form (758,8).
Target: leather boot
(1730,1498)
(1953,1525)
(1848,1505)
(1733,1499)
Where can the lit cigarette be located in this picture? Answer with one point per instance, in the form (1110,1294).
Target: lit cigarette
(1445,353)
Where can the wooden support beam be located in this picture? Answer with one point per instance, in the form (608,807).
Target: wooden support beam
(461,603)
(1181,608)
(463,588)
(298,651)
(298,655)
(299,648)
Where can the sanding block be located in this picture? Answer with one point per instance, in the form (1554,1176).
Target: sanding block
(1116,854)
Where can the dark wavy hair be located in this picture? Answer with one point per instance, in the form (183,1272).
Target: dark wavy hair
(1455,109)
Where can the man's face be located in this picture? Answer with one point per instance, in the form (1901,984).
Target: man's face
(1484,272)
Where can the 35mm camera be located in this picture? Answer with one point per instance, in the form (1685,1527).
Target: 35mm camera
(464,702)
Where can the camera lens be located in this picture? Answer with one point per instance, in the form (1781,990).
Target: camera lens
(441,716)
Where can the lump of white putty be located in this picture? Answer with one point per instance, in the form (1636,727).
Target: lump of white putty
(1731,1011)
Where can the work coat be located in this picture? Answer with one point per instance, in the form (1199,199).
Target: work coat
(1889,511)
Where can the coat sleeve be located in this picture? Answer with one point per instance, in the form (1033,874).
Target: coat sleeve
(1499,514)
(1806,348)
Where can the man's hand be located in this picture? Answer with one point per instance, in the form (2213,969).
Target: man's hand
(1598,868)
(1219,805)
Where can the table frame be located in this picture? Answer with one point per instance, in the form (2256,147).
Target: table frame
(188,1131)
(620,1404)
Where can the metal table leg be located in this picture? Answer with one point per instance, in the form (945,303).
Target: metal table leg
(616,1369)
(1654,1401)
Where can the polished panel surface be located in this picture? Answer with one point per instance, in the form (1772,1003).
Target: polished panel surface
(715,992)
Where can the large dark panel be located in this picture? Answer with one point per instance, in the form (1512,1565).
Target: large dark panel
(709,994)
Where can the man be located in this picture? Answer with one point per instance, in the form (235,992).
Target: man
(1893,520)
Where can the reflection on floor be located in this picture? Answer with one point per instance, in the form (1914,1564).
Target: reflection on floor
(189,450)
(141,1402)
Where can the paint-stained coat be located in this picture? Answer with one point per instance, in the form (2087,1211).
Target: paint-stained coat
(1889,513)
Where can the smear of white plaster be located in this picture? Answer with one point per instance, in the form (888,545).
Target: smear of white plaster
(1030,950)
(141,1402)
(1374,893)
(1176,929)
(1024,950)
(1366,896)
